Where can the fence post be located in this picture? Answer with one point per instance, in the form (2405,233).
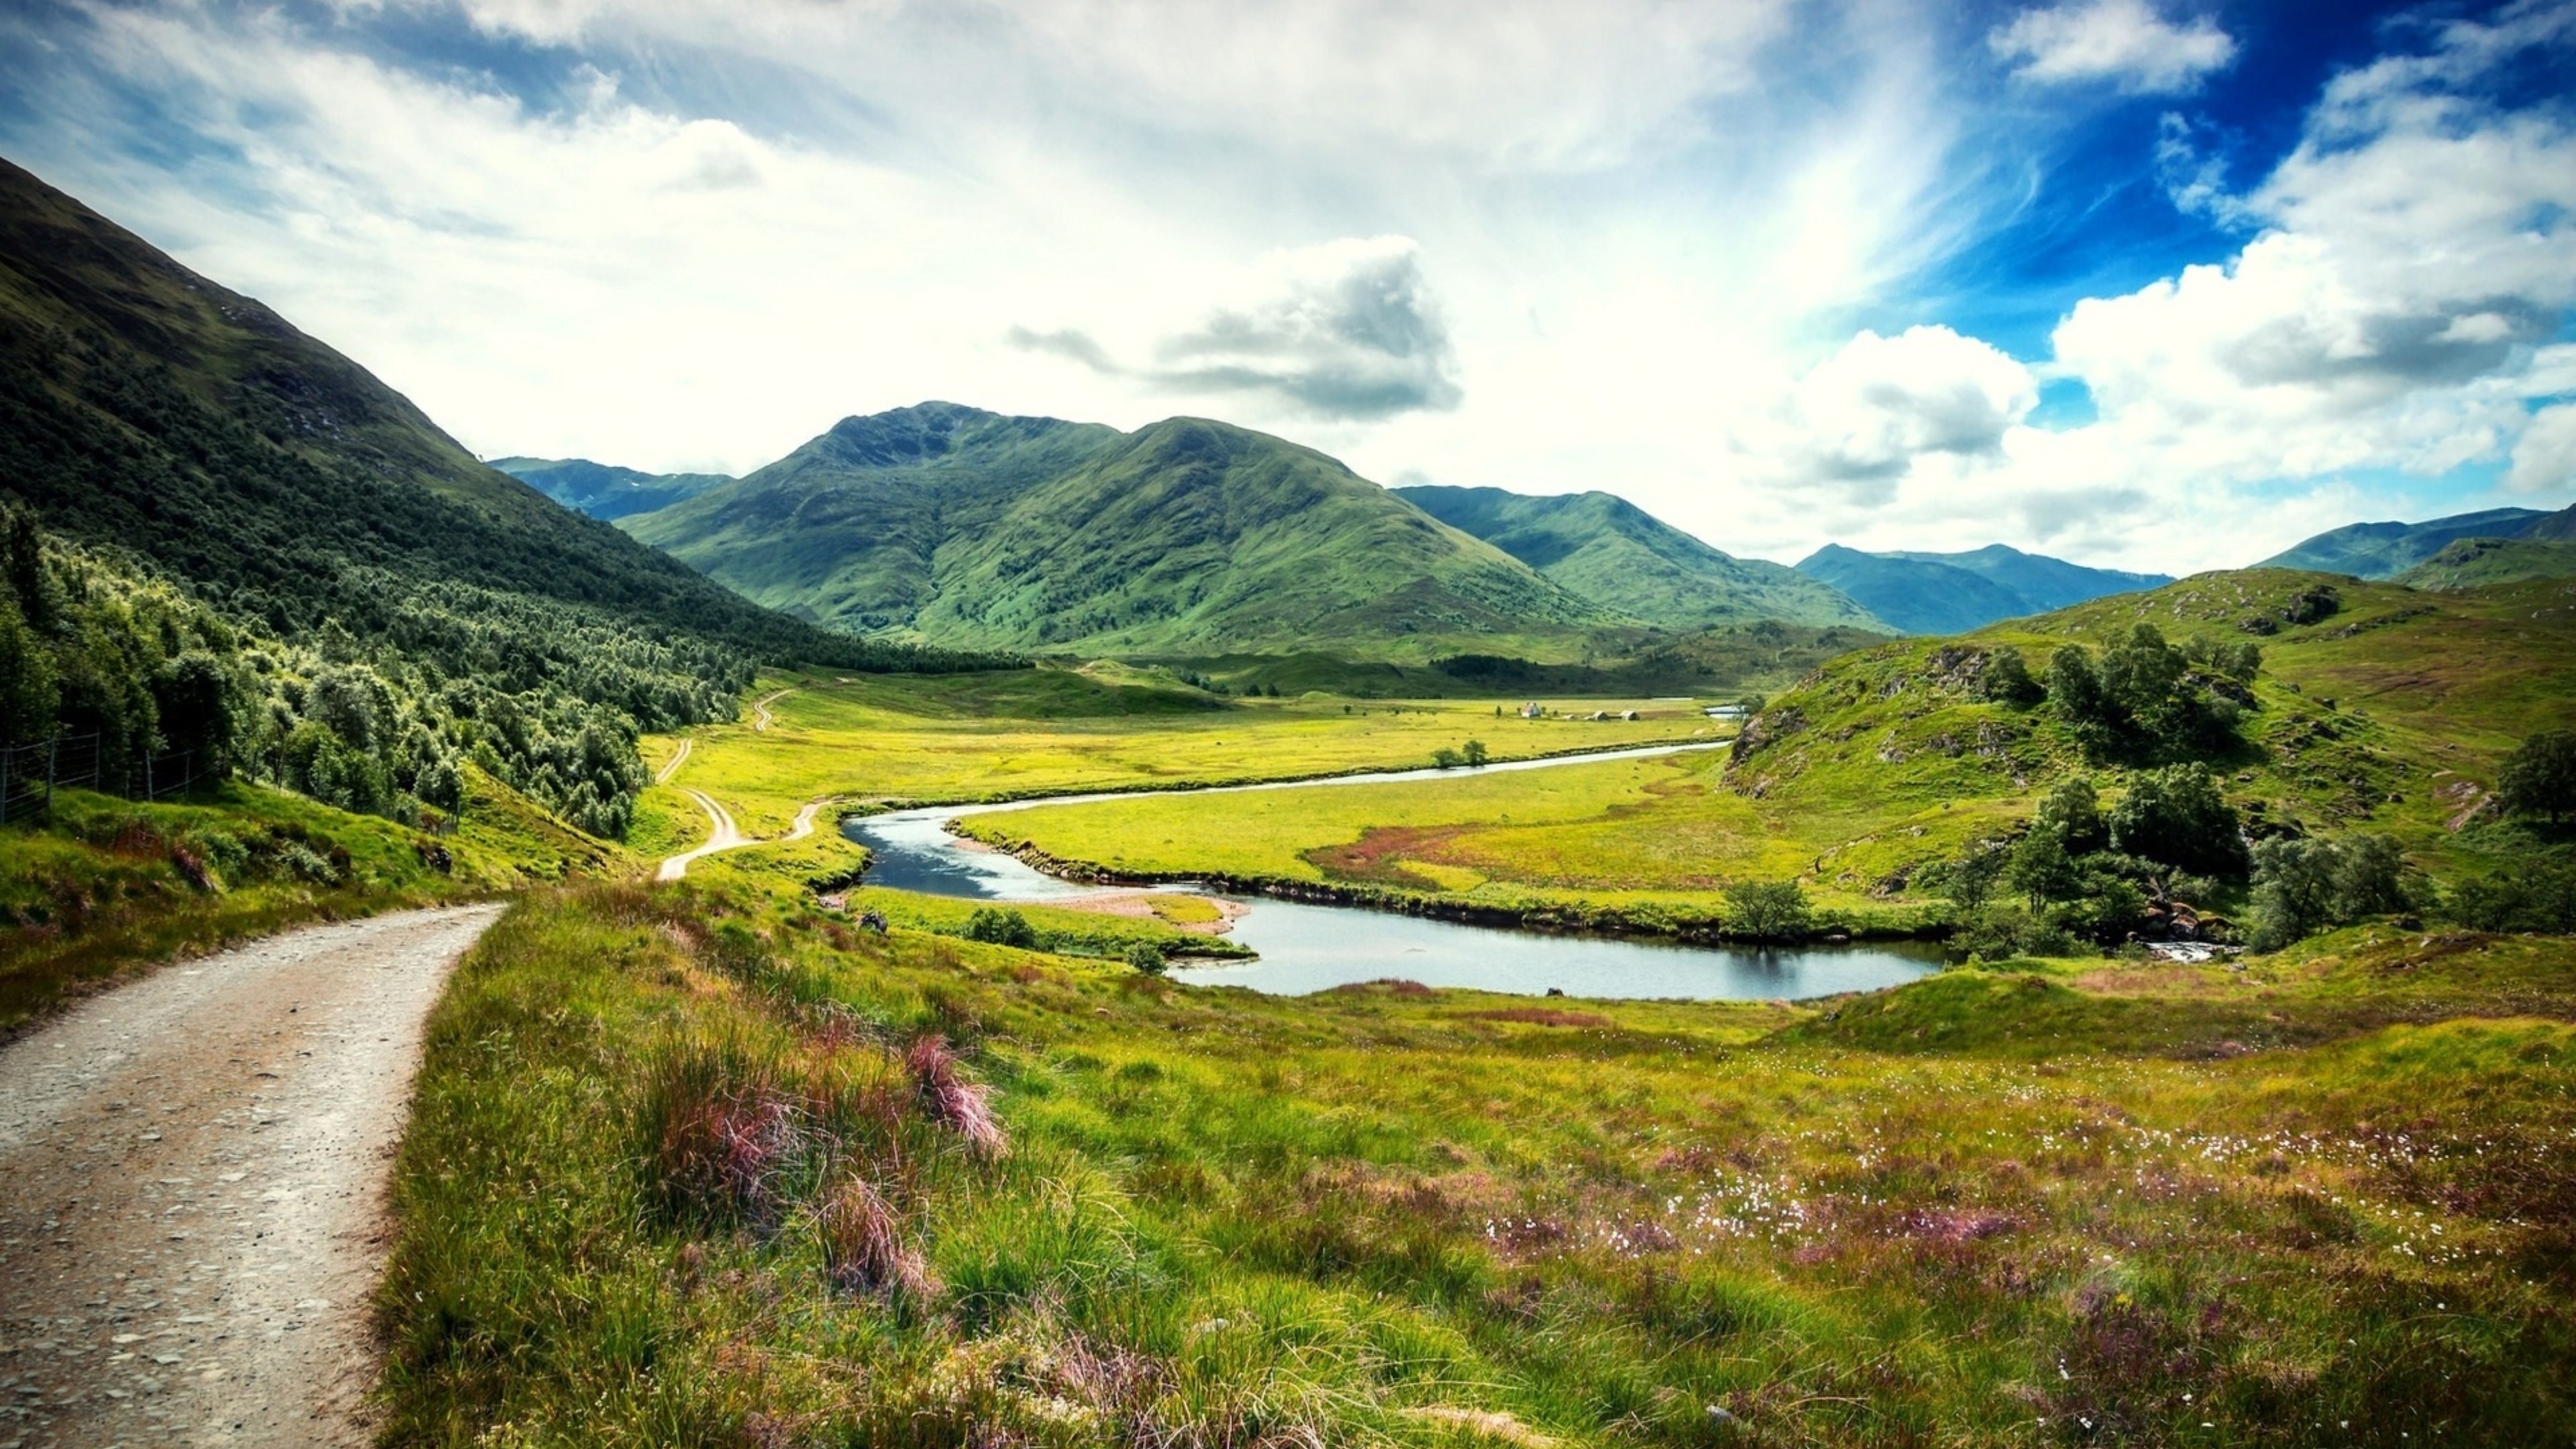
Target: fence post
(148,792)
(6,754)
(53,749)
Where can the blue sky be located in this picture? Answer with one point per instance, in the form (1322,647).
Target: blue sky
(2139,282)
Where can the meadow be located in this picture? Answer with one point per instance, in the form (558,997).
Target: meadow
(2390,714)
(704,1165)
(935,739)
(102,886)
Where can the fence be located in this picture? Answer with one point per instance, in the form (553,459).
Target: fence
(30,773)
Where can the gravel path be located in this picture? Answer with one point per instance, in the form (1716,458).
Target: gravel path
(192,1176)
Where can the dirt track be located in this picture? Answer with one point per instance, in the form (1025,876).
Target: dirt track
(192,1174)
(724,834)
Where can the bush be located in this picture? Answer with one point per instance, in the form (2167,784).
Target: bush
(2176,816)
(1001,928)
(2540,777)
(2303,886)
(1767,911)
(2540,896)
(2005,678)
(2001,931)
(1147,957)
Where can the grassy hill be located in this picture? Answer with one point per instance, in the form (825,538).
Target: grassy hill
(2470,563)
(387,610)
(1946,593)
(968,529)
(1608,550)
(2384,550)
(605,491)
(2375,709)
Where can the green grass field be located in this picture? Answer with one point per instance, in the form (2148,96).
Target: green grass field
(103,886)
(931,739)
(2392,715)
(681,1174)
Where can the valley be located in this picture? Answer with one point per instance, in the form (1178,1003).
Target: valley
(1636,993)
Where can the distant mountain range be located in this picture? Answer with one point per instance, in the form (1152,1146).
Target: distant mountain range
(1948,593)
(2385,550)
(1617,555)
(1187,537)
(603,490)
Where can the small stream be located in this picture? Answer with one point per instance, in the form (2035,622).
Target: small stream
(1306,947)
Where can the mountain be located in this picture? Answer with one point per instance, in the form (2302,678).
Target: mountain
(437,613)
(970,529)
(1945,593)
(2384,550)
(604,490)
(1606,549)
(2472,563)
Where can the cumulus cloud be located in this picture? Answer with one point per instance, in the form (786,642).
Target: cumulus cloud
(1865,416)
(2544,461)
(1347,330)
(2122,41)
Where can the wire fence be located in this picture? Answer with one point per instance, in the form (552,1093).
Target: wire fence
(30,773)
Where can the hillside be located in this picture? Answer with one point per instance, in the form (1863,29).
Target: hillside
(2384,550)
(1945,593)
(969,529)
(426,612)
(1606,549)
(2470,563)
(605,491)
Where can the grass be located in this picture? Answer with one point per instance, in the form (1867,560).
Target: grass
(2392,715)
(102,887)
(931,739)
(678,1175)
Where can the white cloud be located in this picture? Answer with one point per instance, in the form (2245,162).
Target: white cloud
(1863,418)
(2544,461)
(2123,41)
(1345,330)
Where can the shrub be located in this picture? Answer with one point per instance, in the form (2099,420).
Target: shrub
(2540,896)
(2176,816)
(1147,957)
(1001,928)
(2005,678)
(1767,910)
(2540,777)
(1445,758)
(2302,886)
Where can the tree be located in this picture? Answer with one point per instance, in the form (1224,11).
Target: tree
(1767,910)
(2041,869)
(2304,885)
(28,698)
(2075,688)
(2075,812)
(1148,958)
(1474,753)
(1445,758)
(1973,876)
(195,700)
(2540,777)
(1001,928)
(2176,816)
(2004,678)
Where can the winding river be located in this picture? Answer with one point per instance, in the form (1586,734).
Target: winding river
(1306,947)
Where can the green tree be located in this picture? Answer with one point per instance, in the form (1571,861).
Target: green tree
(1767,910)
(1445,758)
(1973,877)
(1001,927)
(28,698)
(2539,778)
(195,700)
(1145,956)
(1474,753)
(2073,810)
(2004,678)
(2041,869)
(2176,816)
(2302,885)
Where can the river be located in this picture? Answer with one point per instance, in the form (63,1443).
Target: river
(1307,947)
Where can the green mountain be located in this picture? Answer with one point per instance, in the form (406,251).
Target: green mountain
(1606,549)
(2470,563)
(969,529)
(448,611)
(1945,593)
(604,490)
(2384,550)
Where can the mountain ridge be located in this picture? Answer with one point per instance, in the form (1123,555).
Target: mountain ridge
(1605,548)
(1948,593)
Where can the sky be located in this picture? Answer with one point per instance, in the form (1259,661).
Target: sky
(2152,284)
